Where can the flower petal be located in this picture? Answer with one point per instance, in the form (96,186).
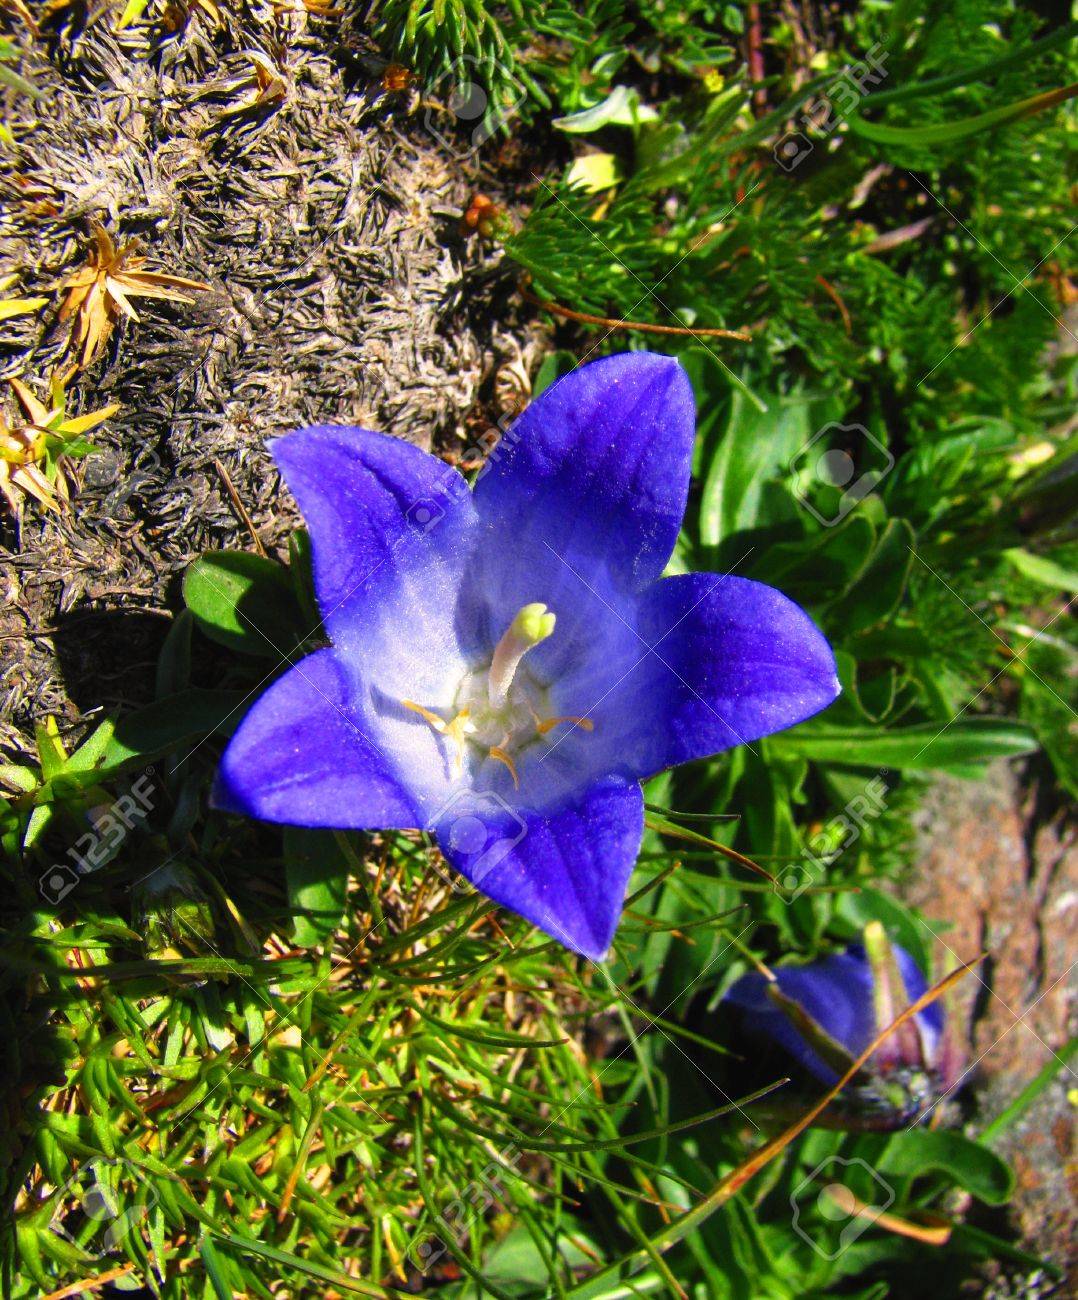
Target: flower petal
(596,470)
(714,661)
(565,870)
(836,992)
(391,530)
(305,755)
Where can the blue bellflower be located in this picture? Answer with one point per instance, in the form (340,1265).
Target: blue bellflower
(825,1014)
(507,664)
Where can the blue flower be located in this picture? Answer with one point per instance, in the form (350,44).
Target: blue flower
(507,663)
(825,1014)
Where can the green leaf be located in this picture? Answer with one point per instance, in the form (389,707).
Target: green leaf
(174,661)
(91,753)
(879,586)
(19,778)
(316,874)
(1029,1094)
(50,751)
(978,72)
(923,748)
(299,566)
(1049,694)
(516,1262)
(252,1246)
(967,1163)
(826,564)
(214,1271)
(515,1042)
(554,365)
(593,172)
(622,107)
(15,82)
(172,723)
(1038,567)
(754,447)
(244,602)
(873,696)
(946,132)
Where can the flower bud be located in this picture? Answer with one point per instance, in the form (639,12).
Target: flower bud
(823,1015)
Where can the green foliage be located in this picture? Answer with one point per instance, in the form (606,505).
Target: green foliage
(11,80)
(232,596)
(304,1060)
(452,44)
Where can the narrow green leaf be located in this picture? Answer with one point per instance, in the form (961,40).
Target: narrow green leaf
(316,873)
(214,1271)
(948,132)
(251,1246)
(174,661)
(878,587)
(979,72)
(922,748)
(178,721)
(1030,1093)
(486,1037)
(1043,570)
(15,82)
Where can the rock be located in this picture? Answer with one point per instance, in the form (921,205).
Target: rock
(998,871)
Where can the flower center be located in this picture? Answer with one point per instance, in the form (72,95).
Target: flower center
(501,709)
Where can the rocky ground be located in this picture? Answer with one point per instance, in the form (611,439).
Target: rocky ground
(998,873)
(324,214)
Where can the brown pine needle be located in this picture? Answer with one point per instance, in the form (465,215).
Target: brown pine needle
(239,507)
(667,827)
(836,298)
(585,318)
(737,1178)
(936,1233)
(89,1283)
(741,1175)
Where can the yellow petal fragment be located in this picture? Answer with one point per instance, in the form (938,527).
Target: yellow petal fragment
(439,724)
(548,724)
(498,753)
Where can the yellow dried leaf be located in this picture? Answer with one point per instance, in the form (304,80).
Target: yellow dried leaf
(84,423)
(10,307)
(98,294)
(36,412)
